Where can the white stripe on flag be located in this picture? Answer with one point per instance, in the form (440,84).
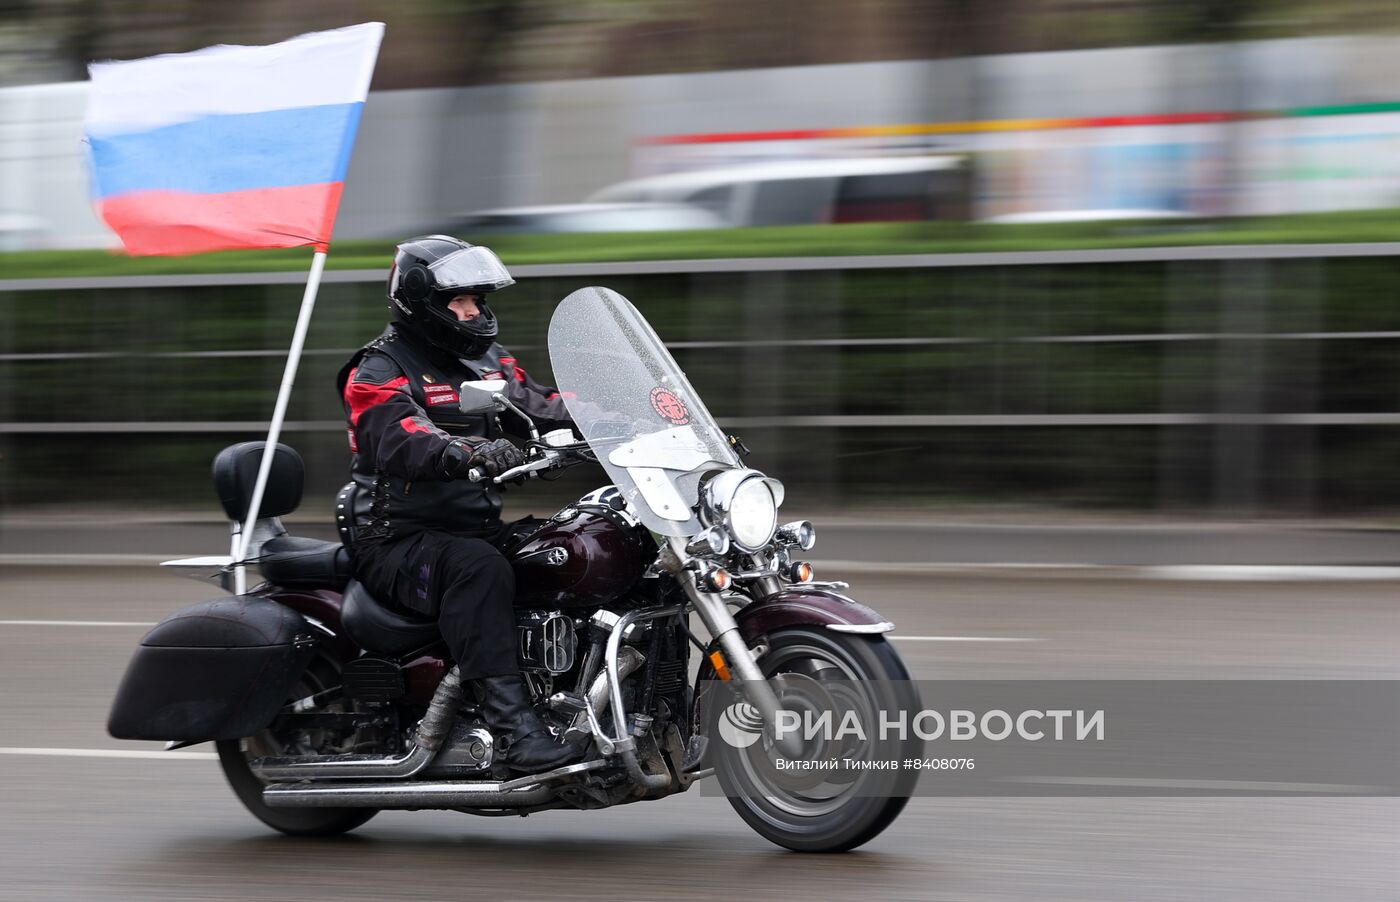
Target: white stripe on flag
(318,69)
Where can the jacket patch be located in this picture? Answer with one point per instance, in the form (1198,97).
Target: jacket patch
(439,395)
(494,376)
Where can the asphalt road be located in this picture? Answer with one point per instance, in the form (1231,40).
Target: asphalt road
(114,828)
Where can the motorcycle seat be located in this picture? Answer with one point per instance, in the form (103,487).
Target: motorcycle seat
(379,630)
(301,563)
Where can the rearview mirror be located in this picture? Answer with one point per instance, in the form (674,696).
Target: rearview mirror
(480,396)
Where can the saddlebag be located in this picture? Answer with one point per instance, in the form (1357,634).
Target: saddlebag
(220,669)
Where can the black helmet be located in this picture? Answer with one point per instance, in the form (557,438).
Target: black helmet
(427,273)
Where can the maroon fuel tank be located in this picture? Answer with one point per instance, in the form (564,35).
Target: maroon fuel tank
(580,557)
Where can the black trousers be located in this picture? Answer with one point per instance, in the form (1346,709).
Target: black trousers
(465,583)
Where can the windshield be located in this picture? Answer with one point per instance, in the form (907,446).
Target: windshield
(635,407)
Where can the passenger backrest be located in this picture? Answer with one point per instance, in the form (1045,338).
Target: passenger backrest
(236,472)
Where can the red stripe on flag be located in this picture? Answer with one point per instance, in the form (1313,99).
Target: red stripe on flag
(167,223)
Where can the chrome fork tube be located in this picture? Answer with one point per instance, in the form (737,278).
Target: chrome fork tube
(714,613)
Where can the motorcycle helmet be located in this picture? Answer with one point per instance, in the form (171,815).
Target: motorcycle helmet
(427,274)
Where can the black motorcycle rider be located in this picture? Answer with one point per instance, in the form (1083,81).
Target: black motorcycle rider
(418,523)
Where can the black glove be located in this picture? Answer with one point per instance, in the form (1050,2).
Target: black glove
(495,457)
(492,458)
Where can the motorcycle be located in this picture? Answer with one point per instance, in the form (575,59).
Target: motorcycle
(326,707)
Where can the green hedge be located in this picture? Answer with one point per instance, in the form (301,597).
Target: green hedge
(983,363)
(784,241)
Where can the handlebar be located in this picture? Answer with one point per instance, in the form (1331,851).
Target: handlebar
(548,460)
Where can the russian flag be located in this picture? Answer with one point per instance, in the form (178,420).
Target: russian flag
(229,147)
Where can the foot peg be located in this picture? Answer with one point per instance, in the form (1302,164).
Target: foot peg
(567,703)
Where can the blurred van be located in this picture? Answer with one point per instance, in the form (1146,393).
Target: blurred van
(794,192)
(621,217)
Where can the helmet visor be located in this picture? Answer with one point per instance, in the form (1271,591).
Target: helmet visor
(472,267)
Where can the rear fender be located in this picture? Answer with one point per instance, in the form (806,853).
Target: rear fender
(216,670)
(321,610)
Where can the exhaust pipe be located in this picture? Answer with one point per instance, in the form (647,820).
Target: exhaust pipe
(521,792)
(427,739)
(628,660)
(406,796)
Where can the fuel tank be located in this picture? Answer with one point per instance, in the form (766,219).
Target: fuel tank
(582,556)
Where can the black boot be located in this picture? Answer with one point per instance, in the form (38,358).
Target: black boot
(529,746)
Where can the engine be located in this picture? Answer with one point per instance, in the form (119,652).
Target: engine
(547,641)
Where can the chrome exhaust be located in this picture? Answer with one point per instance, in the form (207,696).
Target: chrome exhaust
(518,793)
(628,660)
(427,739)
(405,796)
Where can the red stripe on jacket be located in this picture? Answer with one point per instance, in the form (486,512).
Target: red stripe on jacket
(361,396)
(519,373)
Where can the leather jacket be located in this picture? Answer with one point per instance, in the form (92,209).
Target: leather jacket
(402,410)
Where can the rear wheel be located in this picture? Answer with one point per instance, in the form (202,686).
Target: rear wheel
(816,669)
(235,755)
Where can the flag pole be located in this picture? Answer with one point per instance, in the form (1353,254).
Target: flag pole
(274,429)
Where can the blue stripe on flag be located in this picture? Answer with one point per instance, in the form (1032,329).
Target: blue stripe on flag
(273,149)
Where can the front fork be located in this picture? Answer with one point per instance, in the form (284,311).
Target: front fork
(714,613)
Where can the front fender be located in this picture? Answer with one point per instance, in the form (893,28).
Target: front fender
(808,606)
(791,606)
(219,669)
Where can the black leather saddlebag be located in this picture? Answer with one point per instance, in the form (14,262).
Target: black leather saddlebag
(216,670)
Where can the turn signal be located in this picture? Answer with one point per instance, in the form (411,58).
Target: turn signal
(800,572)
(718,579)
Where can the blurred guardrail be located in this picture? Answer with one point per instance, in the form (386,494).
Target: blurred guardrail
(1240,378)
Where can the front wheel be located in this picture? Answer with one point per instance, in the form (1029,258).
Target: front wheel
(813,668)
(235,755)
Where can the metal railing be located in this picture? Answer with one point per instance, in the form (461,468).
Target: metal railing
(1217,306)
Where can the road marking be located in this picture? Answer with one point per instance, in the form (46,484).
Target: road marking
(111,753)
(1271,572)
(964,639)
(75,623)
(84,560)
(1205,785)
(1262,573)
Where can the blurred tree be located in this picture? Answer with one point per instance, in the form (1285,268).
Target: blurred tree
(457,42)
(1201,21)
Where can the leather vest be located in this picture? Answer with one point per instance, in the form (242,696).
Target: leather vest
(381,505)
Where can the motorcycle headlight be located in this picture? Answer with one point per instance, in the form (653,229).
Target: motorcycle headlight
(745,504)
(753,516)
